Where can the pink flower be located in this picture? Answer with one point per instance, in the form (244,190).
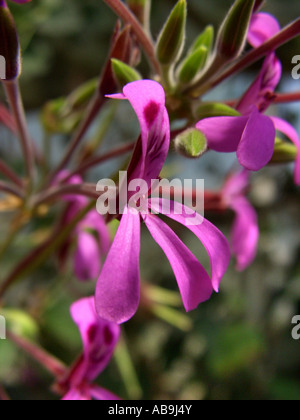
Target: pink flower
(99,339)
(91,235)
(252,136)
(261,92)
(118,289)
(245,231)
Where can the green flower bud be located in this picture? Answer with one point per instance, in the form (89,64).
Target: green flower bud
(214,109)
(205,39)
(9,46)
(123,73)
(191,143)
(232,35)
(284,152)
(192,65)
(63,115)
(172,37)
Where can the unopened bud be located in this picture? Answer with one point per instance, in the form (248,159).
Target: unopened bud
(123,73)
(192,65)
(215,109)
(233,33)
(9,45)
(191,143)
(205,39)
(172,37)
(284,152)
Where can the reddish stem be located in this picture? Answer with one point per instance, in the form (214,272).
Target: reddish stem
(128,17)
(283,98)
(49,362)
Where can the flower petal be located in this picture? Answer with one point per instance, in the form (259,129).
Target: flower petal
(102,394)
(148,101)
(236,184)
(245,232)
(212,239)
(256,147)
(76,395)
(93,220)
(223,133)
(118,290)
(261,92)
(289,131)
(193,281)
(87,258)
(263,26)
(99,340)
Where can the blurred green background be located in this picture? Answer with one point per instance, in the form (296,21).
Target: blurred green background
(238,345)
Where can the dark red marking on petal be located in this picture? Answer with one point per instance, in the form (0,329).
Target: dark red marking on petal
(92,331)
(150,113)
(108,336)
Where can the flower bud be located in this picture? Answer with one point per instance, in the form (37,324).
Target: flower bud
(205,39)
(123,73)
(214,109)
(232,35)
(63,115)
(191,143)
(172,37)
(284,152)
(9,45)
(192,65)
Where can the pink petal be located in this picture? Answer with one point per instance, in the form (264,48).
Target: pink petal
(99,340)
(193,281)
(223,133)
(118,290)
(102,394)
(236,184)
(289,131)
(87,258)
(96,222)
(148,101)
(76,395)
(262,90)
(212,239)
(256,147)
(245,232)
(263,27)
